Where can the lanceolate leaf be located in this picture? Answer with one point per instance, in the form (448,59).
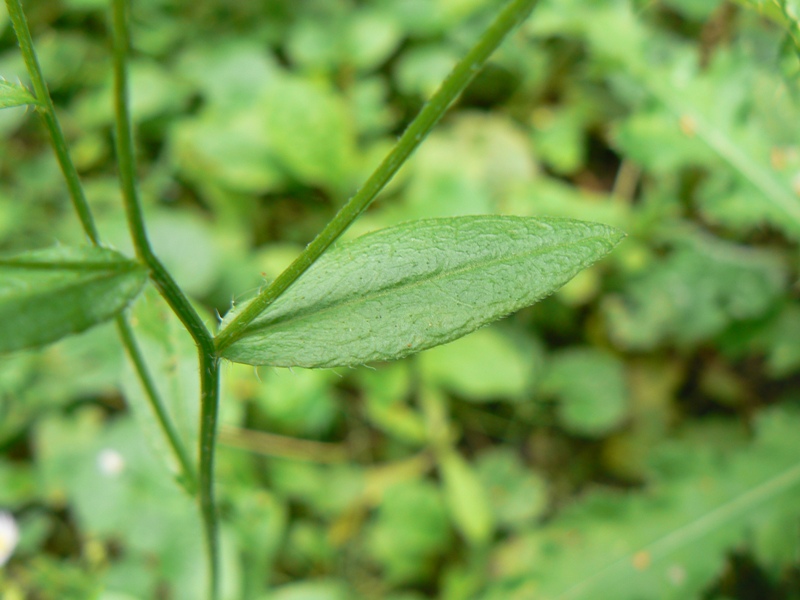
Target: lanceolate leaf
(48,294)
(407,288)
(15,94)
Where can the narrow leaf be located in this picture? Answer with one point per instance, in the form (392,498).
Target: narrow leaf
(466,498)
(48,294)
(15,94)
(407,288)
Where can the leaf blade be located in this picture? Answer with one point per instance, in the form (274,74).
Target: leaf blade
(417,285)
(48,294)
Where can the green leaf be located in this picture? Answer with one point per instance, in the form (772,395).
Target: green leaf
(466,498)
(694,293)
(15,94)
(590,385)
(172,358)
(517,495)
(48,294)
(710,496)
(409,553)
(311,590)
(485,366)
(407,288)
(310,132)
(105,472)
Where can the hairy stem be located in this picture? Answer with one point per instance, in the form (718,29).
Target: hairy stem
(511,16)
(166,285)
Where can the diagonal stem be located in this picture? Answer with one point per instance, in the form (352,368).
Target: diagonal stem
(48,113)
(466,69)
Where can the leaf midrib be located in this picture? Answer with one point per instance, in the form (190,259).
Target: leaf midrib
(69,286)
(119,265)
(469,266)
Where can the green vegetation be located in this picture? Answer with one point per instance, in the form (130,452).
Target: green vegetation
(631,436)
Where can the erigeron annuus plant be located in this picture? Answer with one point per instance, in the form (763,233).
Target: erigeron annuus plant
(382,296)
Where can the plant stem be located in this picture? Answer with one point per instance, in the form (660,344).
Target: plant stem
(188,477)
(209,404)
(127,173)
(270,444)
(166,285)
(466,69)
(48,112)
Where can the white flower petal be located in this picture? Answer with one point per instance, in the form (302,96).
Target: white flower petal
(9,536)
(110,462)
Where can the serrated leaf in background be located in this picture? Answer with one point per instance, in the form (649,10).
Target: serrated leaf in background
(701,288)
(670,542)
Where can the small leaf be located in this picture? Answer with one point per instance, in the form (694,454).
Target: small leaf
(488,365)
(15,94)
(591,388)
(466,498)
(48,294)
(407,288)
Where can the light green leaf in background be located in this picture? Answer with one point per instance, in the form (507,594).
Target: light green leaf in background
(703,286)
(517,495)
(590,385)
(785,13)
(386,394)
(48,294)
(300,403)
(225,148)
(15,94)
(671,542)
(466,499)
(466,168)
(116,490)
(403,289)
(172,358)
(329,589)
(489,364)
(310,132)
(407,553)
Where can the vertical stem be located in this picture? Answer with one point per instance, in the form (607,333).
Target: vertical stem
(188,477)
(127,174)
(209,401)
(166,285)
(466,69)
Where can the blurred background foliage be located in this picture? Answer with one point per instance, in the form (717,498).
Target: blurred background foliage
(633,436)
